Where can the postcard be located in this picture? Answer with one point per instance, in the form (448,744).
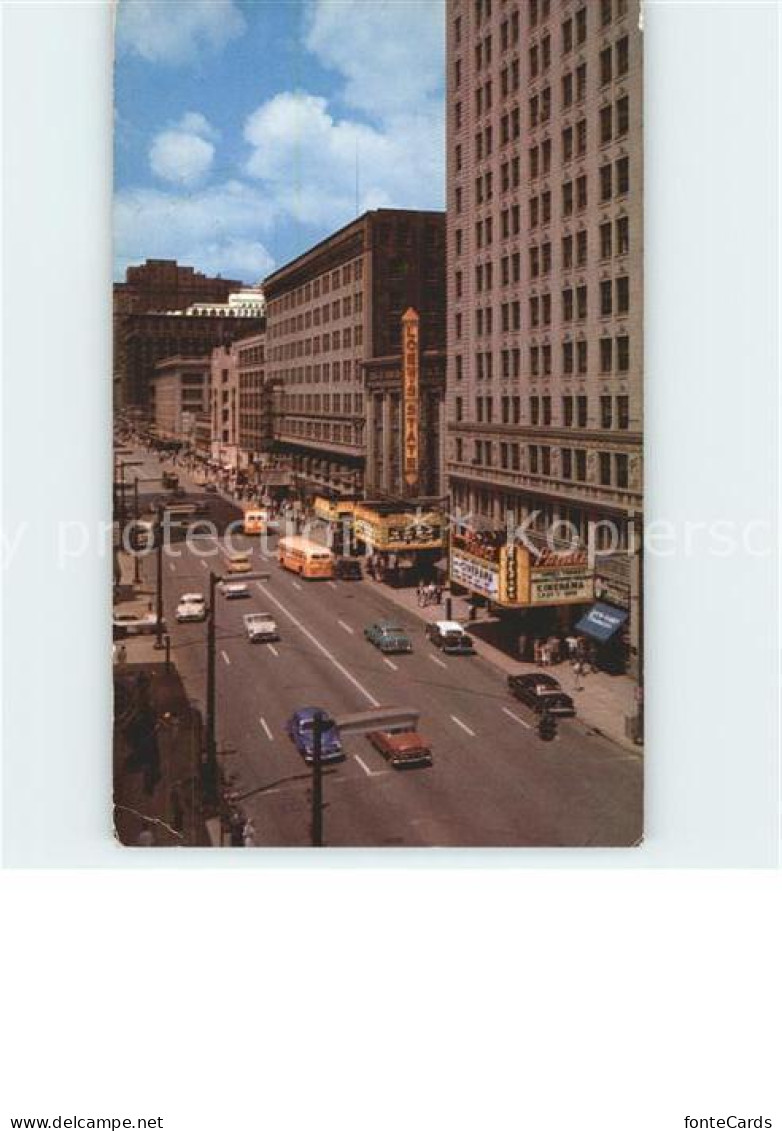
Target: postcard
(378,424)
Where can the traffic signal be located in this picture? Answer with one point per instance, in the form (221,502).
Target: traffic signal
(547,727)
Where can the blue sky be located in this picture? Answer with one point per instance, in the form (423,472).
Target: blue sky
(237,124)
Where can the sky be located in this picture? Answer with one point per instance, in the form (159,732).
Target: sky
(240,125)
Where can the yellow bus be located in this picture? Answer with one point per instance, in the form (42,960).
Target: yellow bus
(307,558)
(254,521)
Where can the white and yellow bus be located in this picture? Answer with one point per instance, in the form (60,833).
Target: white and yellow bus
(307,558)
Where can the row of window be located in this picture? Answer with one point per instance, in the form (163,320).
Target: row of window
(252,355)
(614,411)
(329,281)
(324,430)
(614,183)
(614,357)
(326,402)
(346,338)
(614,65)
(612,470)
(539,11)
(340,308)
(347,370)
(614,300)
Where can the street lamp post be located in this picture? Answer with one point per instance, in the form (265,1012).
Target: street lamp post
(136,559)
(159,540)
(318,727)
(210,770)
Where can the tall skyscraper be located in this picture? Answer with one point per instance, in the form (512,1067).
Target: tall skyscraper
(545,271)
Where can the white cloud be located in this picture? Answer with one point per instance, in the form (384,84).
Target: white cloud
(216,229)
(195,123)
(391,53)
(182,158)
(176,31)
(307,159)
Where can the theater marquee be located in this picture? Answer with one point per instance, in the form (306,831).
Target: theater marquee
(410,393)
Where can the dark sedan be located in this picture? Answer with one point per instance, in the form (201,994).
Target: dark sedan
(541,692)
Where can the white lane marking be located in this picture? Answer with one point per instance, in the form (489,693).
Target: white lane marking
(296,585)
(436,660)
(321,647)
(203,563)
(390,663)
(225,657)
(272,649)
(366,769)
(346,627)
(464,726)
(267,729)
(331,583)
(513,715)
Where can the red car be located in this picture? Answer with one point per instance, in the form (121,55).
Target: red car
(405,748)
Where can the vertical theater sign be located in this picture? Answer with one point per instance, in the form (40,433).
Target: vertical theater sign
(410,396)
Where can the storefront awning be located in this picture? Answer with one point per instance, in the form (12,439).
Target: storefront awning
(601,622)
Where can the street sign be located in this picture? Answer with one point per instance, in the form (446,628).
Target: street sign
(381,718)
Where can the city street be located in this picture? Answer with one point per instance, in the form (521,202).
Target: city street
(493,780)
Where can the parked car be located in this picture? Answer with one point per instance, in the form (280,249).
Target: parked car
(300,728)
(239,563)
(210,488)
(232,590)
(402,749)
(133,624)
(348,569)
(451,637)
(191,607)
(388,637)
(260,627)
(542,692)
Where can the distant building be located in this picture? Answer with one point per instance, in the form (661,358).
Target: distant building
(333,310)
(256,398)
(162,284)
(145,331)
(180,397)
(248,303)
(145,339)
(224,411)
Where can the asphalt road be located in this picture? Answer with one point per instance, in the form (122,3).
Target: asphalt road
(494,782)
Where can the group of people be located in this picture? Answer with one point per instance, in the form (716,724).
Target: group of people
(554,649)
(429,593)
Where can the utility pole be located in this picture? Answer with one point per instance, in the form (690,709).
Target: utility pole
(159,538)
(121,495)
(318,726)
(210,771)
(136,559)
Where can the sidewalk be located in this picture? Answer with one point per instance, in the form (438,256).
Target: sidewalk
(602,701)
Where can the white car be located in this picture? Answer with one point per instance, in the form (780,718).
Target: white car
(231,590)
(191,607)
(260,627)
(133,624)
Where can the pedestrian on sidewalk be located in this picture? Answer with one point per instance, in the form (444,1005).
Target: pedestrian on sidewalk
(536,649)
(421,594)
(438,594)
(545,654)
(571,642)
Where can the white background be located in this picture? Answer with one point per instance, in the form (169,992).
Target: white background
(426,990)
